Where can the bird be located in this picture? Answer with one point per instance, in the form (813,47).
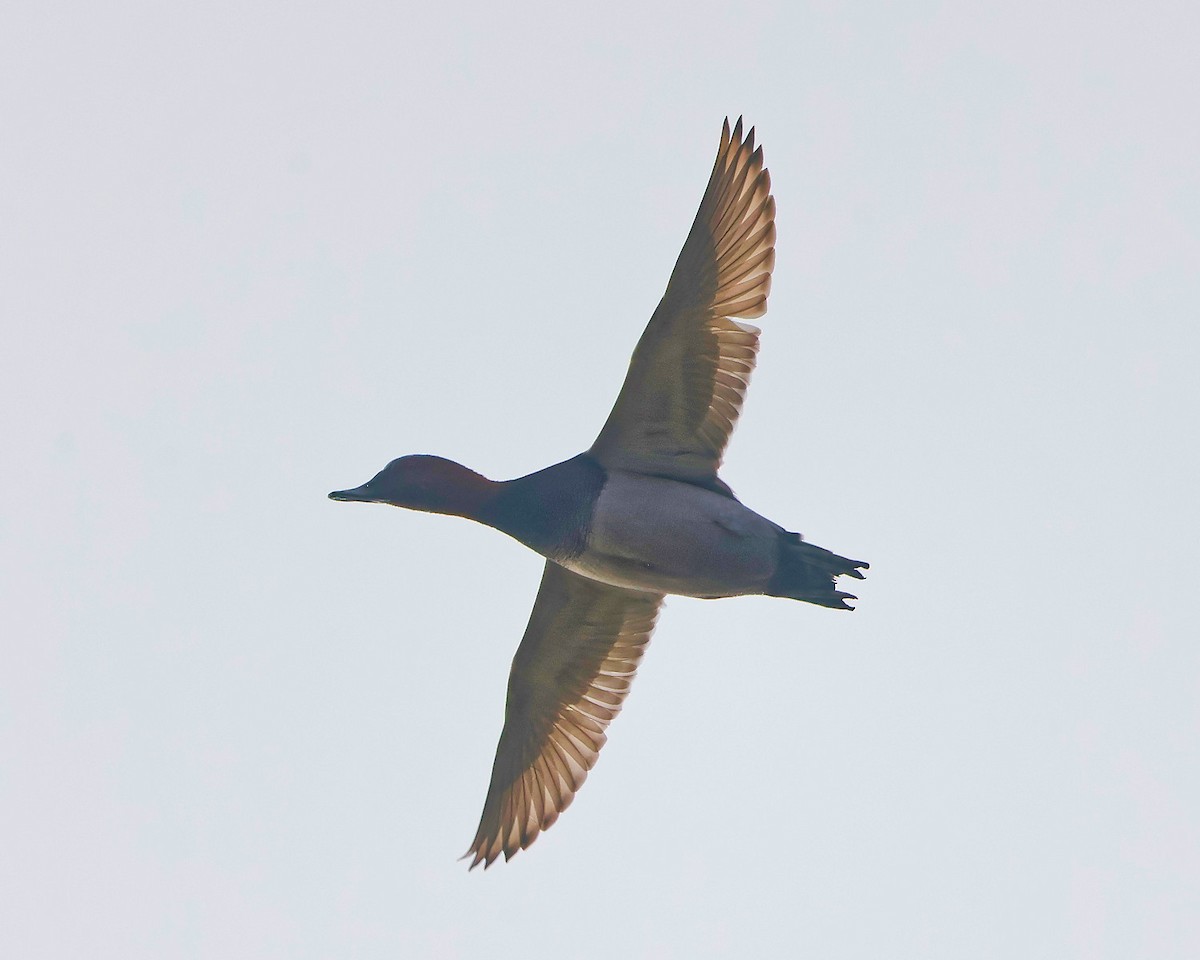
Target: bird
(641,514)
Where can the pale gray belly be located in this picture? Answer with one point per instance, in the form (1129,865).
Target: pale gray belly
(668,537)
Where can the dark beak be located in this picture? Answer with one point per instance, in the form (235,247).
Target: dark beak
(357,495)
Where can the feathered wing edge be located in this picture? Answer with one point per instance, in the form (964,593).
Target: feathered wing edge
(570,676)
(689,374)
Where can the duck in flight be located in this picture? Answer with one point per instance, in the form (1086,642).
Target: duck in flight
(640,514)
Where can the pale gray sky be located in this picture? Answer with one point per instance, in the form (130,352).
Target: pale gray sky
(250,252)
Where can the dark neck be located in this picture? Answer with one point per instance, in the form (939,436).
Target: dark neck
(551,510)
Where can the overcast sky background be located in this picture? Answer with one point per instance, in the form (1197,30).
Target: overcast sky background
(250,252)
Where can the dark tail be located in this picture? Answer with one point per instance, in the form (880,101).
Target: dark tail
(808,572)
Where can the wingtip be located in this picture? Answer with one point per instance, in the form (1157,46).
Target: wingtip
(478,857)
(488,855)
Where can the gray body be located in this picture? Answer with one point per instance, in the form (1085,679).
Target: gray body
(663,536)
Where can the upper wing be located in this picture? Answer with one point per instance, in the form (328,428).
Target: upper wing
(569,678)
(688,375)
